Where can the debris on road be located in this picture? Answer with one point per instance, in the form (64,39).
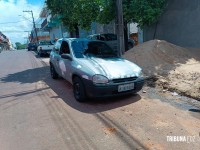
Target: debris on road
(175,68)
(174,94)
(144,91)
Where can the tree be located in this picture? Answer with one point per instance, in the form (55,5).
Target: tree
(143,12)
(75,13)
(81,13)
(20,46)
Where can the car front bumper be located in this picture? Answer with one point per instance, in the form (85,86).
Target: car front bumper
(45,51)
(108,90)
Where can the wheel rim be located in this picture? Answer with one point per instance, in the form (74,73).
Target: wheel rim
(77,90)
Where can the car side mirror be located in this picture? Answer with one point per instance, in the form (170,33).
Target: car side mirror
(66,56)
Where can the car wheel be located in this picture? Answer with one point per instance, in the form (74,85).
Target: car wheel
(39,54)
(53,72)
(79,90)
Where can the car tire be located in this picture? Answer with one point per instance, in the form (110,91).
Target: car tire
(39,54)
(79,90)
(53,72)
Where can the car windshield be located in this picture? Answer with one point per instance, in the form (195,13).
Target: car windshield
(110,37)
(31,44)
(92,48)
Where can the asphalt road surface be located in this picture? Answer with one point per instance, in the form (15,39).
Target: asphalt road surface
(39,113)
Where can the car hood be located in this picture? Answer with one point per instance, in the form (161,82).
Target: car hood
(113,68)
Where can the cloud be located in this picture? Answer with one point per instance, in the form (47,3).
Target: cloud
(15,25)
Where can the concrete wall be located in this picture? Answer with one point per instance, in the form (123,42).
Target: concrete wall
(56,32)
(180,24)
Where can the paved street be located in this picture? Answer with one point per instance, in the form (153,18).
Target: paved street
(39,113)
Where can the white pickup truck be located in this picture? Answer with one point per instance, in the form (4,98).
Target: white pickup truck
(44,48)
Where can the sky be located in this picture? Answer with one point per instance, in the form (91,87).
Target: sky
(16,24)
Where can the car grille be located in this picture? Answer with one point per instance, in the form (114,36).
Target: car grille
(124,80)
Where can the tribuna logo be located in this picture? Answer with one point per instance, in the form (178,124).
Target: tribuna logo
(188,139)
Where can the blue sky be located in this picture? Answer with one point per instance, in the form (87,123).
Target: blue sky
(36,2)
(14,22)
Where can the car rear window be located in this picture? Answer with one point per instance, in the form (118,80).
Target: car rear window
(31,44)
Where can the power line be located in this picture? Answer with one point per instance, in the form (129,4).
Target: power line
(12,31)
(12,22)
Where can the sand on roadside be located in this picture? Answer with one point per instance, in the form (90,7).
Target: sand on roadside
(176,68)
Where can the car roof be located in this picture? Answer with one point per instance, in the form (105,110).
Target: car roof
(80,39)
(76,39)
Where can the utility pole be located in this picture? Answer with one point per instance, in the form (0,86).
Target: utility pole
(30,11)
(120,27)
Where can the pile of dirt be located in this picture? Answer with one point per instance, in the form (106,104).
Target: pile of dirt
(175,67)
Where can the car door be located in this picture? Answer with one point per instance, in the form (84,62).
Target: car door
(65,64)
(56,56)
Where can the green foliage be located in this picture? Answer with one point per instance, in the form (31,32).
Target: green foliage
(107,11)
(20,46)
(82,13)
(143,12)
(75,12)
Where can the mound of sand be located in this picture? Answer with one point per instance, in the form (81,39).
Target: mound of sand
(177,68)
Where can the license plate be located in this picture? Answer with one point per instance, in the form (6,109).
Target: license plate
(125,87)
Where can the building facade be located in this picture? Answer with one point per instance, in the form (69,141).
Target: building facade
(5,43)
(179,24)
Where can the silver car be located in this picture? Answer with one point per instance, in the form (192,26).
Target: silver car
(94,69)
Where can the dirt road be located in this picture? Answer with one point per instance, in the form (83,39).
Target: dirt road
(39,113)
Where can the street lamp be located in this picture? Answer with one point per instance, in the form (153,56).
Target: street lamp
(30,11)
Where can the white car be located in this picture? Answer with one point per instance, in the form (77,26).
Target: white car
(94,69)
(44,48)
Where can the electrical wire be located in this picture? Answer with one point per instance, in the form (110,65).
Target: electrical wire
(12,22)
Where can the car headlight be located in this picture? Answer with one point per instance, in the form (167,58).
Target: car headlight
(140,74)
(99,79)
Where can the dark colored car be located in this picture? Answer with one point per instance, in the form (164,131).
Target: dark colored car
(32,47)
(111,40)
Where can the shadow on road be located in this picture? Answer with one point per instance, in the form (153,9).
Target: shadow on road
(195,113)
(61,89)
(64,90)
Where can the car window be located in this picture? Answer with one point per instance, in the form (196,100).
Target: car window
(92,48)
(78,48)
(101,37)
(110,37)
(31,44)
(100,49)
(45,43)
(64,48)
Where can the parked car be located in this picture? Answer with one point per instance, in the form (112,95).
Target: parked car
(44,48)
(93,68)
(32,47)
(111,40)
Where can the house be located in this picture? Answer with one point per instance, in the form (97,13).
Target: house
(5,43)
(56,29)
